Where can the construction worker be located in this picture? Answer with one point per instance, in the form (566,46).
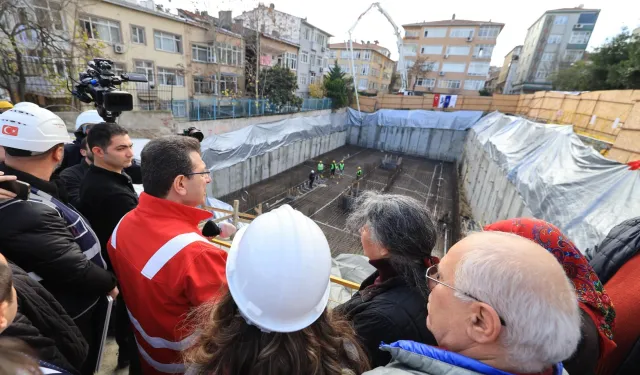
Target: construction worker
(5,105)
(359,173)
(341,168)
(312,177)
(320,169)
(333,168)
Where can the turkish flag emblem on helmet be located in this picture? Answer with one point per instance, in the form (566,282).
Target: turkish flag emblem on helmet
(10,130)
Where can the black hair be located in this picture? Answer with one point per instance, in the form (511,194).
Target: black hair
(100,134)
(164,159)
(6,283)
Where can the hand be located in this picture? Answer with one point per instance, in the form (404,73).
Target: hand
(114,293)
(226,230)
(6,194)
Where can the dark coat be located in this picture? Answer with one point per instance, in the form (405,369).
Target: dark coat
(387,312)
(45,326)
(620,245)
(631,365)
(105,197)
(72,178)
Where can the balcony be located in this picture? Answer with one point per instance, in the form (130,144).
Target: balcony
(584,26)
(581,46)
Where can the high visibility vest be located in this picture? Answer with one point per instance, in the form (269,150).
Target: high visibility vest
(359,172)
(333,166)
(320,167)
(342,166)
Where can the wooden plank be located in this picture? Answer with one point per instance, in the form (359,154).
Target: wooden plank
(240,214)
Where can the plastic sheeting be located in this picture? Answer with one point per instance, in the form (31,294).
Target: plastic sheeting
(350,267)
(560,179)
(459,120)
(215,203)
(224,150)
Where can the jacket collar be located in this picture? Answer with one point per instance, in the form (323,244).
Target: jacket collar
(49,187)
(161,207)
(405,352)
(120,178)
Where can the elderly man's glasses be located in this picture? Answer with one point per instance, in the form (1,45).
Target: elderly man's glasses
(432,276)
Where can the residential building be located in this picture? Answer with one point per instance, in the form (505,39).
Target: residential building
(492,79)
(309,62)
(373,65)
(456,54)
(508,71)
(636,31)
(555,41)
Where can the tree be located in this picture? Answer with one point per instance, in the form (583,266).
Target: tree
(419,70)
(316,90)
(337,87)
(613,66)
(395,77)
(279,85)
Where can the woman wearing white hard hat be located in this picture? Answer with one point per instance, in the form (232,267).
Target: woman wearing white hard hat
(274,318)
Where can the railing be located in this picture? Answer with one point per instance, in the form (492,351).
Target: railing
(223,108)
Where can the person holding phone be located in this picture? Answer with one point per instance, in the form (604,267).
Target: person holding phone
(4,180)
(44,235)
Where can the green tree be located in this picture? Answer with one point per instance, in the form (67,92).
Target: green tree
(613,66)
(336,87)
(278,84)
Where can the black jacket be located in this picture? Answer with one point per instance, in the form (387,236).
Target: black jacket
(45,326)
(387,312)
(620,245)
(72,178)
(105,197)
(54,244)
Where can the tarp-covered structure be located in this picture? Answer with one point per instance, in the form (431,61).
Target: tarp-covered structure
(459,120)
(223,150)
(560,179)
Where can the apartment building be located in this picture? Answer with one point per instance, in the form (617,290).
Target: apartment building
(373,65)
(508,71)
(492,79)
(555,41)
(309,62)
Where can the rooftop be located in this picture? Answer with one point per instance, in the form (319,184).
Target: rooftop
(576,9)
(205,20)
(304,20)
(373,46)
(454,22)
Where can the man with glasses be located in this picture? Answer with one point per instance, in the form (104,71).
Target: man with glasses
(498,304)
(164,266)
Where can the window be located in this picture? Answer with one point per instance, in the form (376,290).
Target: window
(228,83)
(200,53)
(483,51)
(458,50)
(304,57)
(98,28)
(435,32)
(167,42)
(334,54)
(580,37)
(170,77)
(409,63)
(345,68)
(229,54)
(410,49)
(554,39)
(548,56)
(375,72)
(313,59)
(146,68)
(319,61)
(488,32)
(431,50)
(383,87)
(560,20)
(478,69)
(366,55)
(364,70)
(363,83)
(459,32)
(118,68)
(449,84)
(542,74)
(411,34)
(453,67)
(302,78)
(203,85)
(137,35)
(307,34)
(49,13)
(426,82)
(313,79)
(475,85)
(320,39)
(386,75)
(291,60)
(430,66)
(178,107)
(373,85)
(573,55)
(588,18)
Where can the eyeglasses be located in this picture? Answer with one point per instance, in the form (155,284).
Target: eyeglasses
(432,275)
(206,173)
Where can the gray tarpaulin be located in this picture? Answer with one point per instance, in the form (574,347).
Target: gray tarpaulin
(224,150)
(350,267)
(459,120)
(560,179)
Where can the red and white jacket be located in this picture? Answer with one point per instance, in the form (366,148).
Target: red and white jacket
(165,268)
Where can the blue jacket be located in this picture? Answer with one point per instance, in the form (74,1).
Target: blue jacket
(409,357)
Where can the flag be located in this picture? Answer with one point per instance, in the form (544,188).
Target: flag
(10,130)
(436,100)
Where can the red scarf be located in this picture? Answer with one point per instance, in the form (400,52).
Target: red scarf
(592,297)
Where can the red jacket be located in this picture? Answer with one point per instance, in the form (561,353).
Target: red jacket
(165,268)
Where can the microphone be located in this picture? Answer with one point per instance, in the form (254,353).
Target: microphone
(210,229)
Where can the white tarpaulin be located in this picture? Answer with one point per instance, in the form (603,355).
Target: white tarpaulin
(459,120)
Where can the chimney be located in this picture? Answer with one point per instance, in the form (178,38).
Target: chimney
(204,13)
(237,27)
(272,6)
(224,19)
(368,42)
(581,6)
(376,42)
(453,17)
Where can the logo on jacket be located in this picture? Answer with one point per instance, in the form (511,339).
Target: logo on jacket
(10,130)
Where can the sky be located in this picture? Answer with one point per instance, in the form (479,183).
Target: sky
(338,16)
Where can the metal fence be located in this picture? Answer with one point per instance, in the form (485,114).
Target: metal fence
(223,108)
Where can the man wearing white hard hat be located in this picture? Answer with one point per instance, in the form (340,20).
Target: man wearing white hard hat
(43,234)
(274,318)
(72,154)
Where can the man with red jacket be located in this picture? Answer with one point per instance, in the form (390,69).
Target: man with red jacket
(164,265)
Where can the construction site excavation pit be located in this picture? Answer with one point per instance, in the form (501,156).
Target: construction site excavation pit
(431,182)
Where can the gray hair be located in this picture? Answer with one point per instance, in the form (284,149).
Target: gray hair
(541,314)
(401,225)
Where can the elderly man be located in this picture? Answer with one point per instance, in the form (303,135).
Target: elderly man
(499,304)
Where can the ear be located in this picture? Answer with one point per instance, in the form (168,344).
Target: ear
(83,152)
(4,323)
(58,154)
(485,326)
(179,185)
(97,151)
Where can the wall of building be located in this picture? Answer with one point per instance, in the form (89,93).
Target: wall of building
(140,124)
(378,61)
(312,48)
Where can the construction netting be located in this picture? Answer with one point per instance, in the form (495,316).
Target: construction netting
(224,150)
(460,120)
(560,179)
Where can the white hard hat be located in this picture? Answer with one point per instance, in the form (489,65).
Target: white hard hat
(88,117)
(31,128)
(313,171)
(278,271)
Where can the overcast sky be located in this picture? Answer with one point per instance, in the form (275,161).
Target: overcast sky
(338,16)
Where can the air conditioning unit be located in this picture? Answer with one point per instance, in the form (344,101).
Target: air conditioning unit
(578,26)
(441,73)
(470,39)
(119,48)
(446,56)
(321,69)
(323,49)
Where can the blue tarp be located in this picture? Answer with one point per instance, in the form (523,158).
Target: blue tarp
(459,120)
